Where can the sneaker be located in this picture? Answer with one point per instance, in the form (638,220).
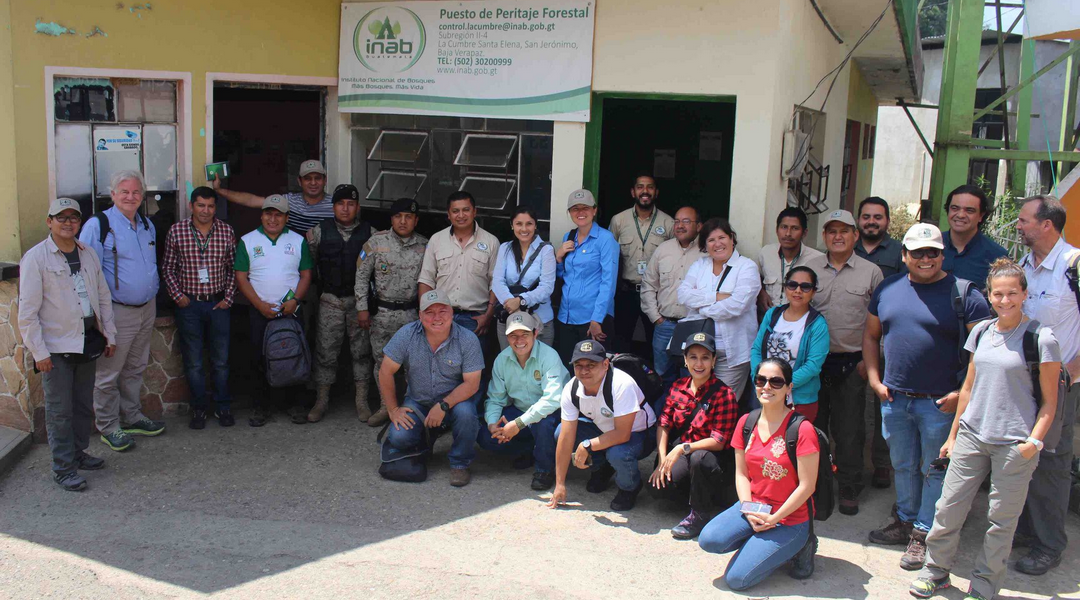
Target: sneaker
(542,481)
(459,477)
(145,427)
(689,527)
(224,417)
(893,534)
(118,440)
(973,595)
(849,501)
(71,481)
(881,478)
(89,463)
(625,499)
(802,566)
(600,479)
(198,419)
(925,587)
(1037,562)
(525,461)
(258,417)
(915,555)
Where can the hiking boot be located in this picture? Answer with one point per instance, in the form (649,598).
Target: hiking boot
(600,479)
(118,440)
(524,461)
(1037,562)
(849,501)
(363,409)
(259,417)
(625,499)
(379,418)
(459,477)
(893,534)
(322,401)
(881,478)
(925,587)
(145,427)
(89,463)
(915,555)
(71,481)
(198,419)
(225,417)
(802,566)
(689,527)
(542,481)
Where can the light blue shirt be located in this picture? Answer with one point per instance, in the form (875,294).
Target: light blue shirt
(536,389)
(588,273)
(431,376)
(135,256)
(542,269)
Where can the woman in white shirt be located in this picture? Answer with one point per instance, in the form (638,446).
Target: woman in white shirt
(723,287)
(531,261)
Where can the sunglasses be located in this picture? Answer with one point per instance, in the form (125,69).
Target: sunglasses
(805,286)
(924,253)
(773,382)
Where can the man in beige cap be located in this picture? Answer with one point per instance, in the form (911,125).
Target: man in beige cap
(845,284)
(307,208)
(273,271)
(66,323)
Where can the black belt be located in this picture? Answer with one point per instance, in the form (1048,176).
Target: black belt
(407,305)
(624,285)
(842,356)
(218,297)
(672,319)
(131,305)
(459,311)
(923,396)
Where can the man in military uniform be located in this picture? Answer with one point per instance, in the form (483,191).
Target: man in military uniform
(394,258)
(639,230)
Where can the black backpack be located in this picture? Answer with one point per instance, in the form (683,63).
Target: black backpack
(647,380)
(286,353)
(821,503)
(959,306)
(404,465)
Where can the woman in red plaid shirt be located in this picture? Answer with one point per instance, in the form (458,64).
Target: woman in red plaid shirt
(693,440)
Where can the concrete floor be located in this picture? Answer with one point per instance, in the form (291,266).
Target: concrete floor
(292,511)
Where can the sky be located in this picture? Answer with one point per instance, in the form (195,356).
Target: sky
(1007,16)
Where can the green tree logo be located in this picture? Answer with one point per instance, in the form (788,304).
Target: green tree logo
(383,44)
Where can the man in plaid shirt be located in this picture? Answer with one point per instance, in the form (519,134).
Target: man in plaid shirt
(198,273)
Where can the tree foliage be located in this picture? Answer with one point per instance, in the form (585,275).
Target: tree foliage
(933,18)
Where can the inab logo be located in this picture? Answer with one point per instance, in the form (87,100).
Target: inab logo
(389,39)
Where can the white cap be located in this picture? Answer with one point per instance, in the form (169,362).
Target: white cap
(923,235)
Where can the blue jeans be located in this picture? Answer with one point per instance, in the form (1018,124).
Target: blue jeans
(623,458)
(538,439)
(915,429)
(69,410)
(759,554)
(466,320)
(192,323)
(666,366)
(462,422)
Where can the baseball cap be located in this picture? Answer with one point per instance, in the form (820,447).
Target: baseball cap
(923,235)
(433,297)
(61,204)
(580,197)
(840,215)
(589,349)
(705,340)
(521,321)
(311,166)
(404,205)
(345,191)
(277,202)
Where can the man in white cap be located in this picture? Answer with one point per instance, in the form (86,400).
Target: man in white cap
(913,313)
(442,363)
(845,284)
(66,322)
(307,208)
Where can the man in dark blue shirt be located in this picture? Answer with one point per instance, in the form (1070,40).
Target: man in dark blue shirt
(968,251)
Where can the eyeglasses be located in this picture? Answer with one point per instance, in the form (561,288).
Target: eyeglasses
(685,221)
(774,382)
(67,219)
(805,286)
(921,253)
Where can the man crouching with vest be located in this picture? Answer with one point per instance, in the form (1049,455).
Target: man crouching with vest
(335,246)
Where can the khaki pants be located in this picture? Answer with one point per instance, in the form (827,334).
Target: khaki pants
(118,384)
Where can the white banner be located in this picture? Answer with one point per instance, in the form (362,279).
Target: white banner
(513,59)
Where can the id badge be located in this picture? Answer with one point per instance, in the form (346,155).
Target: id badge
(641,267)
(204,275)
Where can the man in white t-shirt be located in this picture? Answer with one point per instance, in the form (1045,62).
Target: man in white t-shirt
(605,428)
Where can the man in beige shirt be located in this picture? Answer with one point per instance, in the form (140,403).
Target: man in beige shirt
(845,284)
(459,261)
(639,230)
(776,260)
(660,287)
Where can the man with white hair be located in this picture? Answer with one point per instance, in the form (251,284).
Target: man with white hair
(124,241)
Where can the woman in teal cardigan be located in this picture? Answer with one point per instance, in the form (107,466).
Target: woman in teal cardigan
(798,334)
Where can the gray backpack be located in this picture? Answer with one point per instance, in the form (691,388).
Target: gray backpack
(285,350)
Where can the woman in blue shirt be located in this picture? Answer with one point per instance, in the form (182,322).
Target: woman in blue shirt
(524,276)
(588,263)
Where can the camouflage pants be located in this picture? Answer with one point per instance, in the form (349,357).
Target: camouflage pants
(337,318)
(384,325)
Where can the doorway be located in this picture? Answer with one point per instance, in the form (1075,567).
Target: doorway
(686,142)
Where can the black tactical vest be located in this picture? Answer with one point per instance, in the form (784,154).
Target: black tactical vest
(337,258)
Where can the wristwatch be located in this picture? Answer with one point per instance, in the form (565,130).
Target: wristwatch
(587,444)
(1038,443)
(686,449)
(524,304)
(444,406)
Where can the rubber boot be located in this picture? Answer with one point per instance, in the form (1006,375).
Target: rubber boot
(363,411)
(322,400)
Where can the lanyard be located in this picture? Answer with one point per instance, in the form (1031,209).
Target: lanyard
(648,232)
(195,234)
(785,268)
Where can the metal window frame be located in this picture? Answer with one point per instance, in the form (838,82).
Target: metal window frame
(512,137)
(423,175)
(383,132)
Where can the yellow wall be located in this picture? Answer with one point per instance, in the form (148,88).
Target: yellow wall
(9,198)
(196,36)
(862,107)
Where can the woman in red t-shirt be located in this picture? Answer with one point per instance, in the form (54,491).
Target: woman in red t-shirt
(768,536)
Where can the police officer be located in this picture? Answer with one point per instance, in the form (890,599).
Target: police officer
(387,302)
(335,246)
(639,230)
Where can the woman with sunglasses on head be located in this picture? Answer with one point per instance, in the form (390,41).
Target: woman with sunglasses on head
(797,333)
(770,526)
(998,430)
(524,277)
